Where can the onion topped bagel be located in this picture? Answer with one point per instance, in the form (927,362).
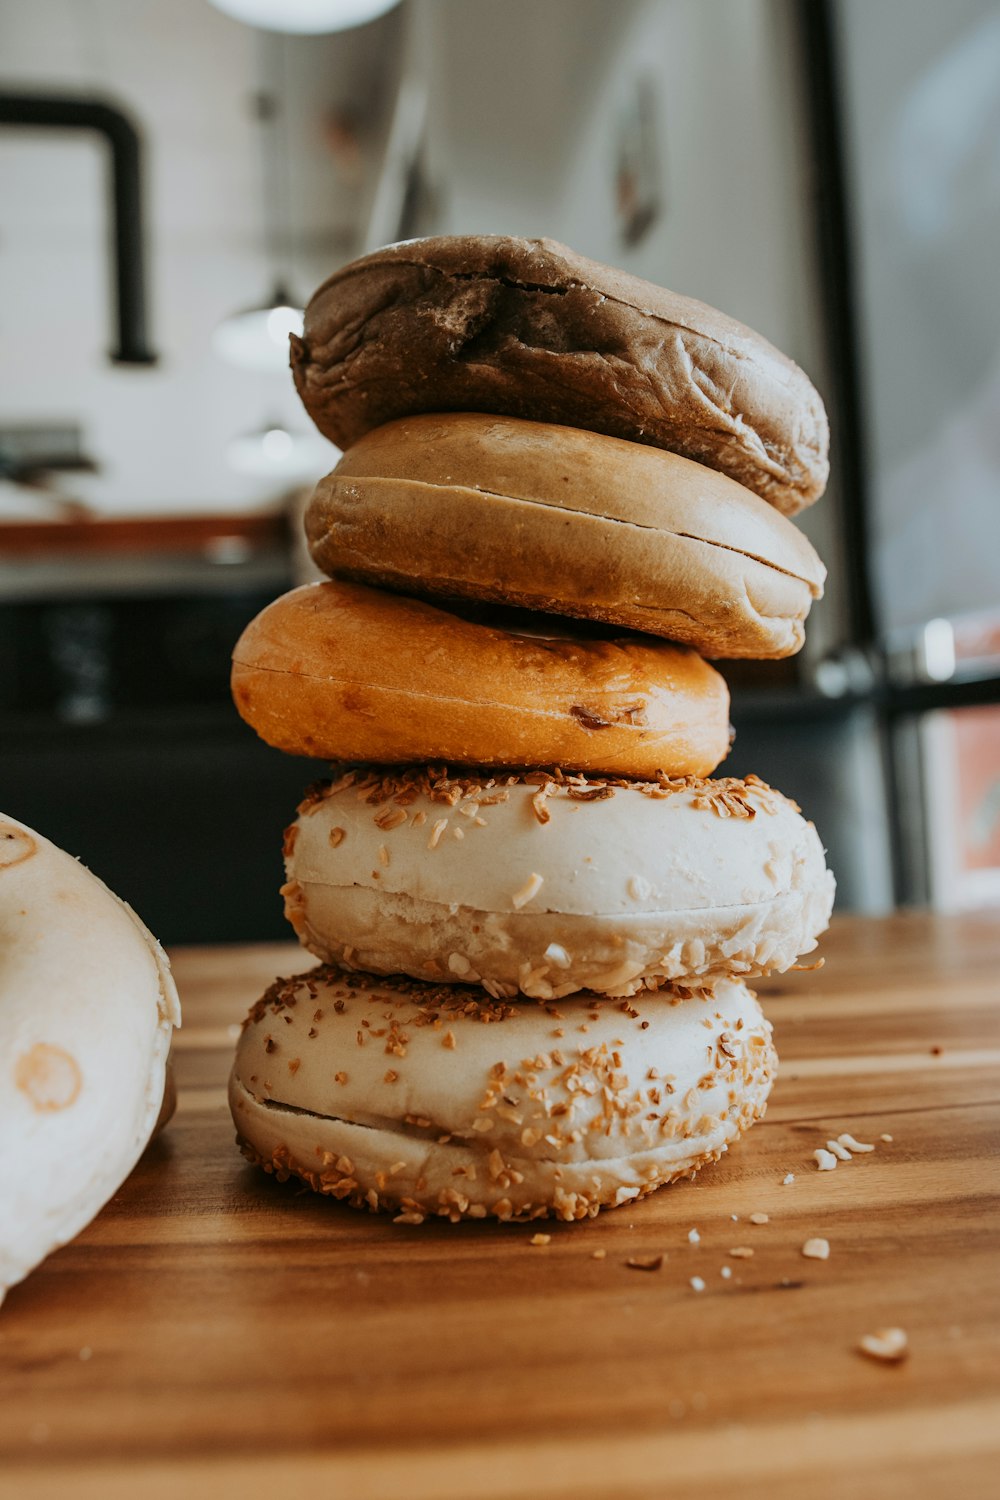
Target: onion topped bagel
(426,1099)
(541,883)
(570,522)
(87,1010)
(528,328)
(345,672)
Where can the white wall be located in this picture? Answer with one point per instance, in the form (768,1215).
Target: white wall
(186,74)
(525,100)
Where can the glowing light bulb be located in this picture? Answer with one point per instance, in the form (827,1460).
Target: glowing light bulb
(306,17)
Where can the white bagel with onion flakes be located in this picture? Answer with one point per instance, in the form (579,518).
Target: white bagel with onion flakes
(424,1100)
(543,884)
(87,1010)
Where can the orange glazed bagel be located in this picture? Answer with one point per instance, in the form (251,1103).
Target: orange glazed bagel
(344,672)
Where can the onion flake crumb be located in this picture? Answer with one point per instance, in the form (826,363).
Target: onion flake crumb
(645,1262)
(529,889)
(851,1144)
(889,1345)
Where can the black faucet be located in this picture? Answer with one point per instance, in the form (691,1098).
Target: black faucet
(54,111)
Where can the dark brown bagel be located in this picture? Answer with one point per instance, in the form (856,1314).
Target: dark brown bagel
(527,328)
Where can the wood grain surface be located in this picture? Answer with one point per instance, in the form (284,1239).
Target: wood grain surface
(214,1332)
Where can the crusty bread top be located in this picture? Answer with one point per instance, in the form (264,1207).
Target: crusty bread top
(528,328)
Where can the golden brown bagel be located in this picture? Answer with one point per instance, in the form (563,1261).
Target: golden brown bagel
(344,672)
(571,522)
(528,328)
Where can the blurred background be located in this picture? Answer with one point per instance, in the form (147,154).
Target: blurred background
(176,178)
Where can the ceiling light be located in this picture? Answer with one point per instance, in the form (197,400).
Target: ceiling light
(305,16)
(275,452)
(257,337)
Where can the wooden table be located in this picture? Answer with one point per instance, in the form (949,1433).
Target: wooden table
(217,1333)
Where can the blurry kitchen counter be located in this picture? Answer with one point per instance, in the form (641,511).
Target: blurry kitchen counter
(215,1332)
(118,738)
(112,557)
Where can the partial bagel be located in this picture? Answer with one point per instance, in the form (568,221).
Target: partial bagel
(527,328)
(434,1100)
(570,522)
(544,884)
(344,672)
(87,1010)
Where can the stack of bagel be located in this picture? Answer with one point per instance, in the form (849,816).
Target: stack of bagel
(562,490)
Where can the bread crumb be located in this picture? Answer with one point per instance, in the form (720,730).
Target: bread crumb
(726,1272)
(788,1179)
(851,1144)
(816,1249)
(540,1239)
(825,1160)
(645,1262)
(886,1138)
(741,1252)
(598,1254)
(697,1284)
(839,1151)
(890,1345)
(759,1219)
(694,1238)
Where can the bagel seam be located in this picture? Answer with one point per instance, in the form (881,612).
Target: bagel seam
(816,590)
